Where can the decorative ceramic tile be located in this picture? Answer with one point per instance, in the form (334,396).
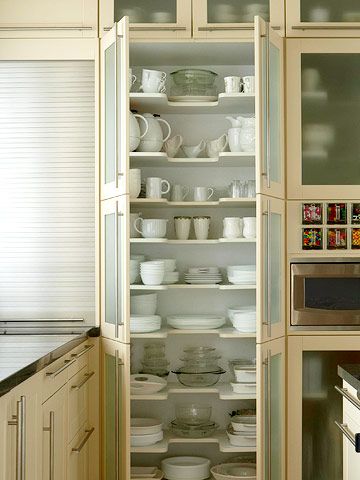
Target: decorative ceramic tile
(355,213)
(336,213)
(336,238)
(312,238)
(312,213)
(355,238)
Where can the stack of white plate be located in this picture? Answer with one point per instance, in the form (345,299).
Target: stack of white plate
(203,275)
(195,322)
(144,323)
(145,431)
(241,439)
(152,273)
(241,274)
(143,304)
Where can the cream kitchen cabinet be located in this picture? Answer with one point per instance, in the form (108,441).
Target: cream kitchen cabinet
(322,116)
(3,436)
(47,18)
(305,18)
(158,19)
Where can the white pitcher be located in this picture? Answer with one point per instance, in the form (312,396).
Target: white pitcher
(152,140)
(172,145)
(214,147)
(135,135)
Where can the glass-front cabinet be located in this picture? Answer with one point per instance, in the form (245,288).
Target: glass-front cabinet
(322,18)
(116,410)
(323,115)
(231,18)
(271,409)
(115,316)
(149,19)
(271,268)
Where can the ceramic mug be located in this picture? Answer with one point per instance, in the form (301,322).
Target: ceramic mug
(153,81)
(134,182)
(134,233)
(203,194)
(154,187)
(182,227)
(232,227)
(151,227)
(249,227)
(249,84)
(232,84)
(201,227)
(179,193)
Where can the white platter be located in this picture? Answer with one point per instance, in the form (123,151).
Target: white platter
(193,98)
(195,322)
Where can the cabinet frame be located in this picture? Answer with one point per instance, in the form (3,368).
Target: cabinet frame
(294,49)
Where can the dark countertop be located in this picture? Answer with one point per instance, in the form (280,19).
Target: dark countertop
(25,351)
(351,374)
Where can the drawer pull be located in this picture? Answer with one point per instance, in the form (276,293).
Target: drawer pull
(67,364)
(225,28)
(19,421)
(151,28)
(325,27)
(86,349)
(354,439)
(345,393)
(88,432)
(44,29)
(83,381)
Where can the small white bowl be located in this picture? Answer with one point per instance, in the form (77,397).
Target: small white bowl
(186,468)
(146,440)
(245,374)
(152,278)
(244,388)
(171,277)
(145,426)
(244,325)
(169,263)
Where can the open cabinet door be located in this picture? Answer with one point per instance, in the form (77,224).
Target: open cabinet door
(271,441)
(269,99)
(115,110)
(115,359)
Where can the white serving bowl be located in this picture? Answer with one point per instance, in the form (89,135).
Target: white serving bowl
(234,471)
(240,309)
(245,374)
(245,440)
(144,384)
(143,304)
(145,426)
(139,258)
(171,277)
(186,468)
(146,440)
(244,325)
(244,388)
(169,263)
(244,424)
(152,278)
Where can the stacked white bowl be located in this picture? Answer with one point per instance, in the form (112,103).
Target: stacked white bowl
(134,271)
(143,304)
(243,318)
(145,431)
(241,274)
(153,272)
(170,276)
(144,323)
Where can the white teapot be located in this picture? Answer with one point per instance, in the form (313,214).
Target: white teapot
(135,135)
(152,140)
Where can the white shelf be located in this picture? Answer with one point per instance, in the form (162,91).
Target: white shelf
(223,390)
(224,332)
(160,159)
(226,103)
(192,242)
(219,438)
(163,202)
(176,286)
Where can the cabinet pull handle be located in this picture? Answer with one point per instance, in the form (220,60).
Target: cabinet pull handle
(345,393)
(224,28)
(88,432)
(67,364)
(51,430)
(45,29)
(354,439)
(85,350)
(155,28)
(267,366)
(326,27)
(268,136)
(19,422)
(267,321)
(86,378)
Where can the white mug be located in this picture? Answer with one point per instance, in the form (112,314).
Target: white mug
(154,187)
(153,81)
(134,182)
(134,233)
(232,84)
(132,78)
(232,227)
(179,193)
(151,227)
(182,227)
(249,84)
(202,194)
(249,227)
(201,227)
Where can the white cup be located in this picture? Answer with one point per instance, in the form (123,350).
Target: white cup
(182,227)
(203,194)
(154,187)
(311,79)
(132,78)
(232,84)
(153,81)
(151,228)
(134,233)
(232,227)
(134,182)
(249,84)
(234,136)
(179,193)
(249,227)
(201,227)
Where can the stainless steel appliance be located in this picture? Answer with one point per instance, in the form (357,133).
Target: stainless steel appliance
(325,294)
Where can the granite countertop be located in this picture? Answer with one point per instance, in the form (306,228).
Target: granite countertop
(351,374)
(22,354)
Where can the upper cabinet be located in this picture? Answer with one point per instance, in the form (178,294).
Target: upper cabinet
(231,18)
(155,19)
(48,18)
(323,142)
(322,18)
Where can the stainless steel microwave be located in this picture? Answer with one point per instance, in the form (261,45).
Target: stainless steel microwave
(325,295)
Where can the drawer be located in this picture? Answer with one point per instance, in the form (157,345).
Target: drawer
(79,454)
(79,387)
(82,356)
(348,407)
(55,376)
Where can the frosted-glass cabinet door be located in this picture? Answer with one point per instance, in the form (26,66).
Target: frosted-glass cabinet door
(115,110)
(323,118)
(324,18)
(115,308)
(271,441)
(116,410)
(155,19)
(270,268)
(269,72)
(234,19)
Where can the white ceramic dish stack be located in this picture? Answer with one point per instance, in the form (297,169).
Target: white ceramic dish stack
(144,323)
(203,275)
(241,274)
(241,439)
(243,318)
(245,424)
(186,468)
(234,471)
(152,272)
(195,322)
(145,384)
(143,304)
(145,432)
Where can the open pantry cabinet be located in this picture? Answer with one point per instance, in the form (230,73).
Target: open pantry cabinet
(195,121)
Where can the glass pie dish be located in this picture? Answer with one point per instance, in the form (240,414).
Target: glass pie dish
(198,379)
(193,431)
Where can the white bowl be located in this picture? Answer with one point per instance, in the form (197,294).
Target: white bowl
(145,426)
(245,374)
(139,258)
(146,440)
(244,423)
(186,468)
(240,309)
(244,325)
(169,263)
(244,388)
(234,471)
(246,440)
(171,277)
(144,384)
(152,278)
